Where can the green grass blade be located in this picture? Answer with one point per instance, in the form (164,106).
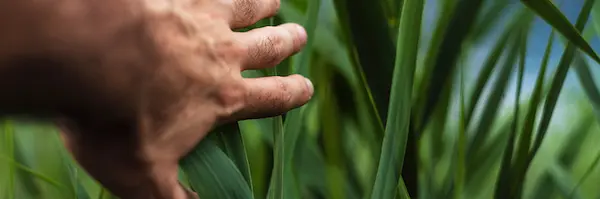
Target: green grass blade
(34,173)
(506,174)
(558,80)
(563,182)
(490,63)
(332,137)
(462,142)
(586,175)
(490,111)
(366,19)
(396,132)
(27,182)
(595,18)
(424,72)
(302,60)
(428,98)
(536,98)
(502,186)
(259,155)
(584,74)
(490,152)
(572,145)
(461,23)
(447,10)
(277,189)
(367,94)
(325,41)
(232,144)
(212,174)
(552,15)
(10,142)
(402,192)
(74,173)
(487,21)
(295,118)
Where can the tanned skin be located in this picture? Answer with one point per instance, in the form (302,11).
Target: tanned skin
(134,85)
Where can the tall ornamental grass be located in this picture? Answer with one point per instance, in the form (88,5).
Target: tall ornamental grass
(413,99)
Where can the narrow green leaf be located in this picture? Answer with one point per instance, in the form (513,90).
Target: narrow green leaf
(232,144)
(523,155)
(447,10)
(572,146)
(462,142)
(77,188)
(27,182)
(402,192)
(552,15)
(366,93)
(490,111)
(461,23)
(438,123)
(282,172)
(259,154)
(457,30)
(558,80)
(302,60)
(563,182)
(277,187)
(545,187)
(536,98)
(212,174)
(502,186)
(488,20)
(491,61)
(332,137)
(586,175)
(9,139)
(596,18)
(584,74)
(396,132)
(36,174)
(366,19)
(278,183)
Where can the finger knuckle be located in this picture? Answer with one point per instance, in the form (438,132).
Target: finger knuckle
(236,49)
(229,49)
(283,96)
(232,98)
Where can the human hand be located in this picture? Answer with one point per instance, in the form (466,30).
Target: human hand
(166,82)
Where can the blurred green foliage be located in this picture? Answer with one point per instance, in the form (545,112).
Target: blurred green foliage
(398,112)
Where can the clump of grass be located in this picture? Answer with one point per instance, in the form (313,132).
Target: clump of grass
(398,112)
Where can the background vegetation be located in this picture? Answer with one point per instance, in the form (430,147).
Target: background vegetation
(427,98)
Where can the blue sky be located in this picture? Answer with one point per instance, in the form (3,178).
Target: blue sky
(537,43)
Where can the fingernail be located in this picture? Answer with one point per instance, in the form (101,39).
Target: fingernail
(301,32)
(310,86)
